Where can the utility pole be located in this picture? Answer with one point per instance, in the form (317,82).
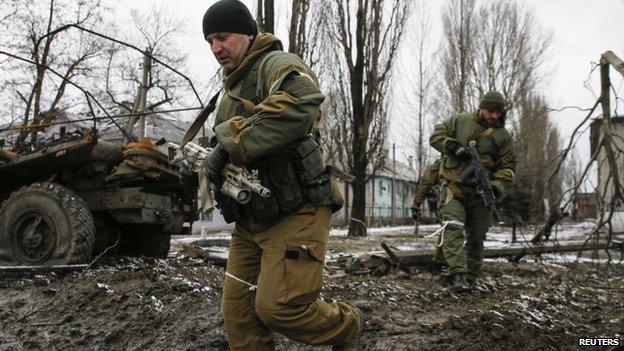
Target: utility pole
(147,66)
(393,201)
(140,100)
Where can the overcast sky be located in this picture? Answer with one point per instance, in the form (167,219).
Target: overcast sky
(582,30)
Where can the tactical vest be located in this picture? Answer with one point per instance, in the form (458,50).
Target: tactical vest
(295,176)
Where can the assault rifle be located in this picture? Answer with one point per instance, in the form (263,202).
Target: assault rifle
(476,171)
(238,182)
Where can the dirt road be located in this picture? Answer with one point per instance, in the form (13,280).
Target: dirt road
(140,304)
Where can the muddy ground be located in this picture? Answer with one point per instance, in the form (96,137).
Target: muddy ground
(173,304)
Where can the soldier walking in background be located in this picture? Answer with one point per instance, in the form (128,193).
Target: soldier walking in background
(268,120)
(461,206)
(425,190)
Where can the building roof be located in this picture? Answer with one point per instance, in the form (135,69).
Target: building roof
(156,127)
(403,172)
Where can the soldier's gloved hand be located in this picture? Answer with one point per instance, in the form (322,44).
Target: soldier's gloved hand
(215,163)
(462,153)
(497,188)
(451,145)
(415,213)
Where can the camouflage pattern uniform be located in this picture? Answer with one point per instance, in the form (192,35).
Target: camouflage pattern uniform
(459,204)
(428,180)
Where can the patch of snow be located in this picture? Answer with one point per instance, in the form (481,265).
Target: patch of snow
(158,305)
(107,289)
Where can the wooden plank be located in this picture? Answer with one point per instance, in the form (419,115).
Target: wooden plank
(424,256)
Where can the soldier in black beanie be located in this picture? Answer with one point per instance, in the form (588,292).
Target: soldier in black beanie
(229,28)
(231,16)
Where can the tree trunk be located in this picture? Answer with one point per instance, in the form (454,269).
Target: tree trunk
(265,16)
(357,225)
(360,133)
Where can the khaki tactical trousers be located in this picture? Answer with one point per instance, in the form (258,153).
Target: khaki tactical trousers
(469,210)
(286,262)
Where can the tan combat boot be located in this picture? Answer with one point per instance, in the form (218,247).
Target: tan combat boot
(354,343)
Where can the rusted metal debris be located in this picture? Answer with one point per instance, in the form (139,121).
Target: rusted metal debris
(395,260)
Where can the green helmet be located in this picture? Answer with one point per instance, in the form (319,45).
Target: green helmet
(494,101)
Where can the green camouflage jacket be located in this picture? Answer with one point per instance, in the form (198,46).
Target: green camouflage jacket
(428,179)
(258,117)
(270,101)
(494,144)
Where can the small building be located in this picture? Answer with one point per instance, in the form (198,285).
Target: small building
(585,206)
(390,190)
(605,182)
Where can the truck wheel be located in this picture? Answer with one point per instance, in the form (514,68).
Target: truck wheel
(45,223)
(146,241)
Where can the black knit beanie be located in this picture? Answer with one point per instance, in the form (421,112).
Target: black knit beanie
(229,16)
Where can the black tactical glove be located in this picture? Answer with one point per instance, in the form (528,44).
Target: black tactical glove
(415,213)
(454,148)
(215,163)
(451,145)
(497,189)
(462,153)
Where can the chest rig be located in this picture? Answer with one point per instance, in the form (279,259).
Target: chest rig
(295,175)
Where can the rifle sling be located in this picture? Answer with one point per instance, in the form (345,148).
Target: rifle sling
(200,120)
(484,133)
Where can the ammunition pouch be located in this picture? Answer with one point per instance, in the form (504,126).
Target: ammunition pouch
(314,177)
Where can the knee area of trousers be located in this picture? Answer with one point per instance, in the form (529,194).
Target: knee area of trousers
(274,316)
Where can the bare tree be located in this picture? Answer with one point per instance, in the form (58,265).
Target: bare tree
(420,78)
(265,16)
(554,189)
(497,45)
(511,50)
(458,55)
(367,53)
(533,151)
(128,82)
(67,52)
(297,35)
(9,8)
(307,34)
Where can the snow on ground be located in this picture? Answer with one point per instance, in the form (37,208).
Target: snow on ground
(495,237)
(402,238)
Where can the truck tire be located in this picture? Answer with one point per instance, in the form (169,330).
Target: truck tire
(149,241)
(45,224)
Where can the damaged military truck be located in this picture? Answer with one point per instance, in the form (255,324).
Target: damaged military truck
(75,195)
